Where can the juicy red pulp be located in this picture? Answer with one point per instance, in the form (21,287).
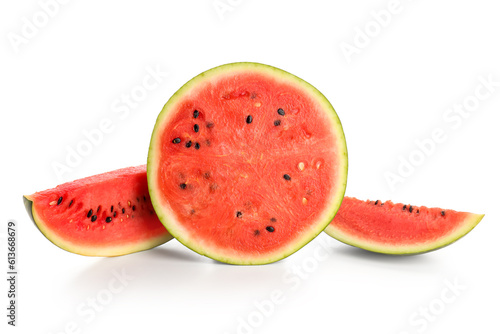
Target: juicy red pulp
(255,162)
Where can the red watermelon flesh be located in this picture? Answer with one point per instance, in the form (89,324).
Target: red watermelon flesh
(103,215)
(387,227)
(247,163)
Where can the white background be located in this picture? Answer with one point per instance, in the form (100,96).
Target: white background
(65,77)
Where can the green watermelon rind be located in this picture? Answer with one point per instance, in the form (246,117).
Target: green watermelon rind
(336,199)
(409,249)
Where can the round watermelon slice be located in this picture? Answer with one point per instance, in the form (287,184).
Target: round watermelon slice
(395,228)
(108,214)
(247,163)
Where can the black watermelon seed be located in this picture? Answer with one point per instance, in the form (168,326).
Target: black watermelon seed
(197,146)
(410,209)
(144,197)
(277,122)
(404,207)
(183,185)
(273,219)
(249,119)
(133,207)
(94,218)
(112,208)
(281,112)
(196,128)
(70,203)
(270,229)
(206,175)
(210,125)
(108,219)
(287,177)
(114,214)
(239,214)
(98,209)
(376,202)
(442,213)
(89,214)
(418,210)
(123,210)
(176,140)
(196,113)
(188,144)
(59,200)
(256,232)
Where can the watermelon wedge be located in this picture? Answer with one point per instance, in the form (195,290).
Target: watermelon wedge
(247,163)
(386,227)
(108,214)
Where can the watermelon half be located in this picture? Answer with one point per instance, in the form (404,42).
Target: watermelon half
(247,163)
(108,214)
(390,228)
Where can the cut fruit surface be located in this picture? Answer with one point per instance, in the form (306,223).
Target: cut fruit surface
(247,163)
(386,227)
(103,215)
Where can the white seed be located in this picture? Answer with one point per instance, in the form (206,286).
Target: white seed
(301,165)
(304,200)
(53,203)
(257,104)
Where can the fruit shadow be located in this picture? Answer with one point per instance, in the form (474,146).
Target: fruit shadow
(170,270)
(172,267)
(424,262)
(380,257)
